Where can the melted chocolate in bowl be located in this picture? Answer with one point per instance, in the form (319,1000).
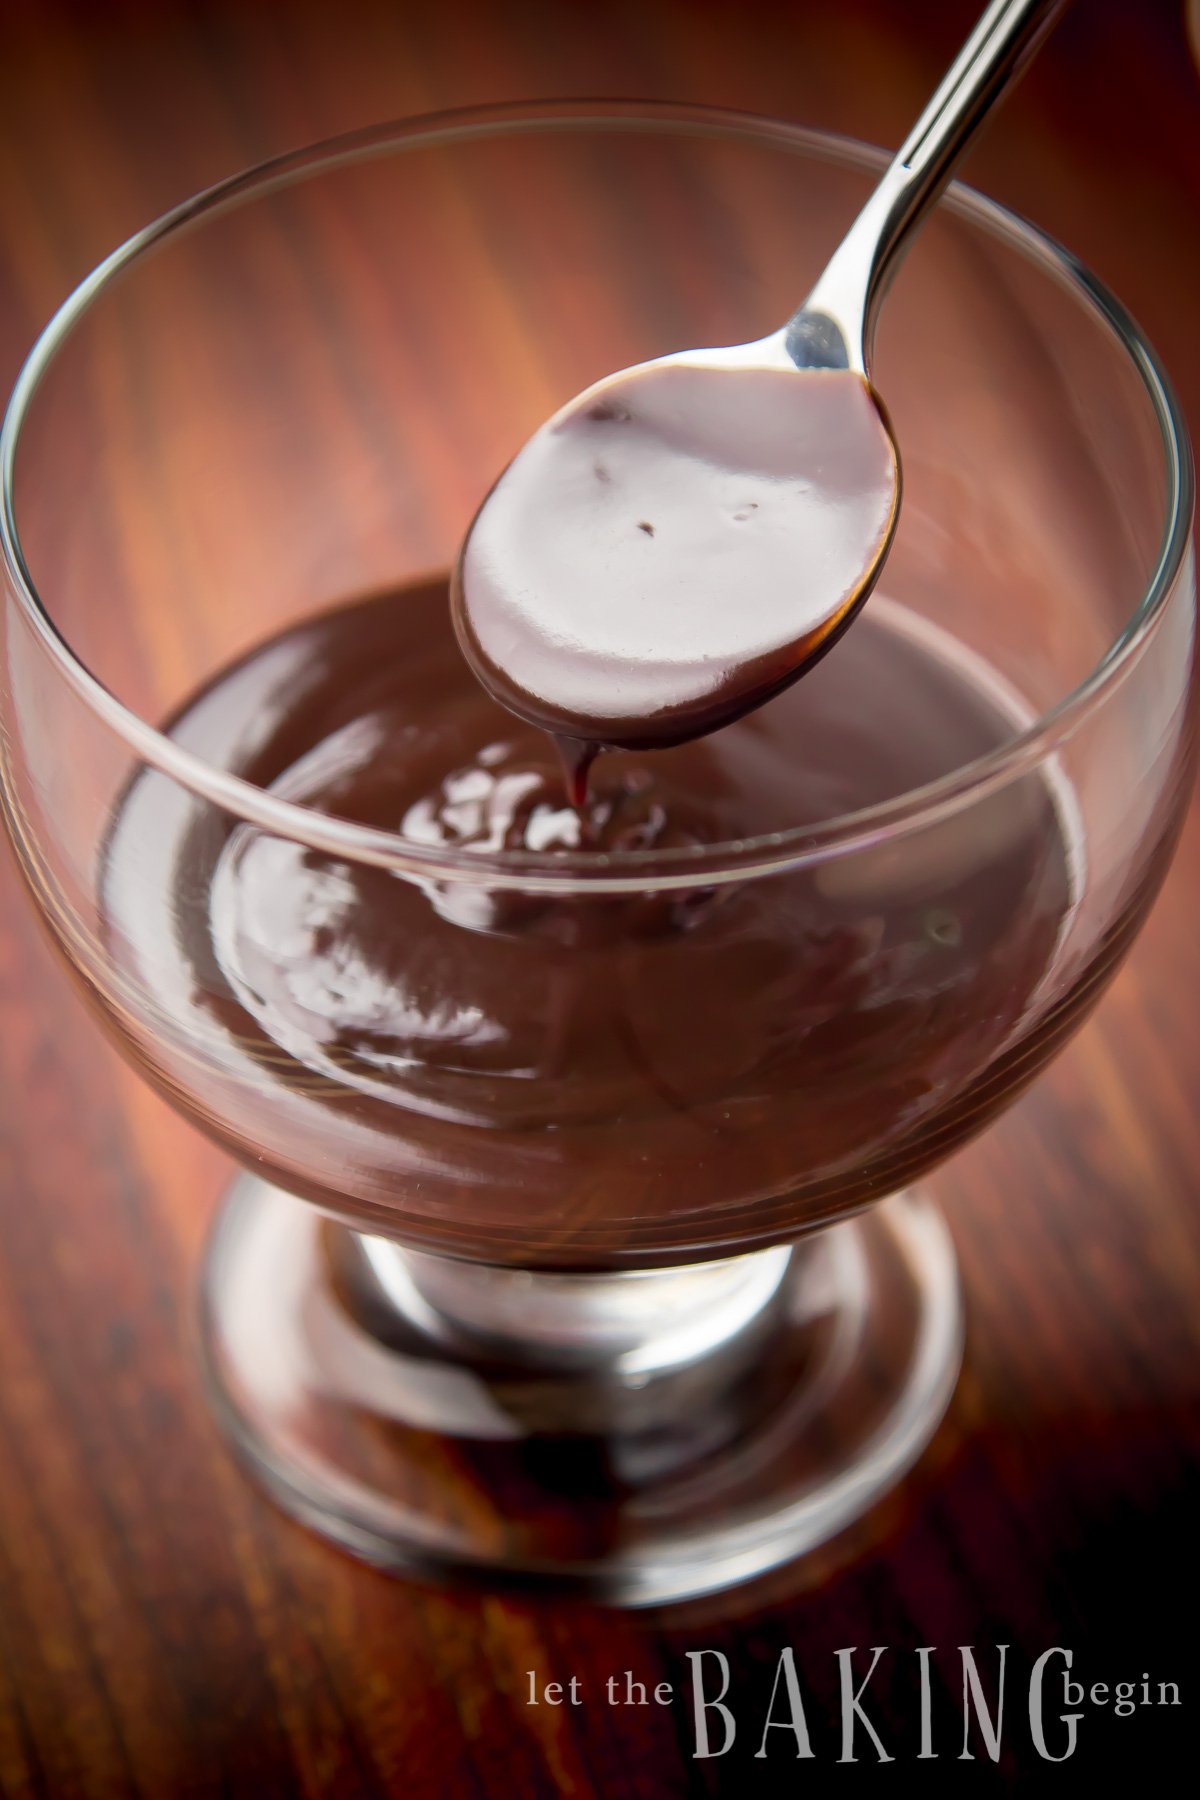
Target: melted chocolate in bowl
(674,547)
(585,1081)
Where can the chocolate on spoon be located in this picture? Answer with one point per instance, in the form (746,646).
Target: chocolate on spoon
(688,536)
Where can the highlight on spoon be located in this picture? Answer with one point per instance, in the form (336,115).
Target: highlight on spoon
(674,546)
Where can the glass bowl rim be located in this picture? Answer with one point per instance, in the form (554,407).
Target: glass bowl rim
(635,870)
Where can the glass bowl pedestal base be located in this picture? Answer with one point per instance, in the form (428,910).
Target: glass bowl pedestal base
(636,1438)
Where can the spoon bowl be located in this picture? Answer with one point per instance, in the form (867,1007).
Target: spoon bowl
(676,544)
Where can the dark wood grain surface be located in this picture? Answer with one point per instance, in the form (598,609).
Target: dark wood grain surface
(163,1632)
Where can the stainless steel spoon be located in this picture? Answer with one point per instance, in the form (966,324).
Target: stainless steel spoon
(686,537)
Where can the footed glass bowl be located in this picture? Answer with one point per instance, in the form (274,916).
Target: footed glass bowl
(577,1238)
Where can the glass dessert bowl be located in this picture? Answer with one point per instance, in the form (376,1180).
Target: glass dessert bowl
(577,1239)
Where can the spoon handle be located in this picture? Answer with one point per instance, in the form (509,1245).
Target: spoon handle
(854,282)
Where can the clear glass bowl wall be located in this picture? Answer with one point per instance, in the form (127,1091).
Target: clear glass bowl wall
(300,397)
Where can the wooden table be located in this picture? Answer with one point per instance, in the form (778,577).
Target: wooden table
(163,1632)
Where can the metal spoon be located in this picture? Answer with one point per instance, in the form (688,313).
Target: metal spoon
(684,538)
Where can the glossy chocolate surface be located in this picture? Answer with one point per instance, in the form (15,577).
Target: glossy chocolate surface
(675,547)
(578,1079)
